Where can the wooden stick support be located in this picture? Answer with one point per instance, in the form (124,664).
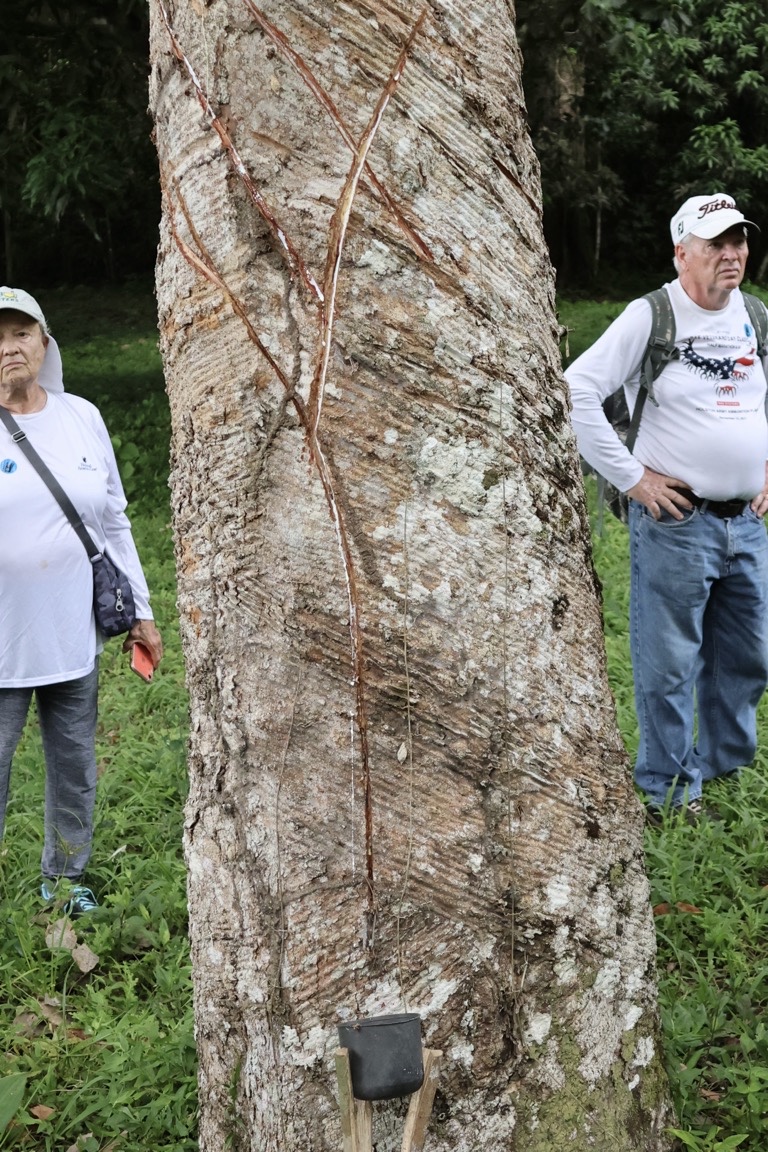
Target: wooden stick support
(420,1107)
(357,1115)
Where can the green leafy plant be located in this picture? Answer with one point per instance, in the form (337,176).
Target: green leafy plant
(634,105)
(78,179)
(11,1095)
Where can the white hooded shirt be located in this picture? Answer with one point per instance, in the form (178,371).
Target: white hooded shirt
(47,628)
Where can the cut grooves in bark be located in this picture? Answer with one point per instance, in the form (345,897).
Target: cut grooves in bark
(309,415)
(339,223)
(295,261)
(317,90)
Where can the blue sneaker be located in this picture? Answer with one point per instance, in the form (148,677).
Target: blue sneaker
(80,900)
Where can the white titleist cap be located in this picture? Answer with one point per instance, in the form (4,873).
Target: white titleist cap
(706,216)
(51,374)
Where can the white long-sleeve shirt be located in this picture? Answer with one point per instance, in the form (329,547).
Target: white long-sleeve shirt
(47,629)
(709,429)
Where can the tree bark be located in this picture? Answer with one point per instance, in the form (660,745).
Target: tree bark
(407,789)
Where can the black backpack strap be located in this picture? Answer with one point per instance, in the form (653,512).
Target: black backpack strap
(658,353)
(758,318)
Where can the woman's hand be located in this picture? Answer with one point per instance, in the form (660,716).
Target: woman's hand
(145,632)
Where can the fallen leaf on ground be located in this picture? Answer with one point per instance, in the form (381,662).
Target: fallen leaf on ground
(60,934)
(28,1024)
(52,1013)
(80,1142)
(665,909)
(111,1147)
(42,1111)
(84,958)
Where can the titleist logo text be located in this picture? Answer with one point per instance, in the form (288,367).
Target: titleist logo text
(715,206)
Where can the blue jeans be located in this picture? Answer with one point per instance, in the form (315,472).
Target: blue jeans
(699,639)
(67,713)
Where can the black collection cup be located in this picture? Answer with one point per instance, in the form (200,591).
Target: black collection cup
(385,1055)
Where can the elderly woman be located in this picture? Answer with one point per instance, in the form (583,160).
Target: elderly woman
(49,642)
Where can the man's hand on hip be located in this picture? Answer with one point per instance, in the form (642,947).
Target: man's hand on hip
(760,503)
(658,494)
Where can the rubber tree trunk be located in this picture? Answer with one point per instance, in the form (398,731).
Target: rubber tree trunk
(407,786)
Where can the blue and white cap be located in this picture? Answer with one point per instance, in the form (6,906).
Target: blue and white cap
(52,372)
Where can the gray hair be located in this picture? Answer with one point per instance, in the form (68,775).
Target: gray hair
(684,243)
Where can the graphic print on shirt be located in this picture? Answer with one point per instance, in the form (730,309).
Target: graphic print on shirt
(721,368)
(8,465)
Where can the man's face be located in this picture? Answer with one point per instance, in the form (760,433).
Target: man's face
(22,349)
(713,268)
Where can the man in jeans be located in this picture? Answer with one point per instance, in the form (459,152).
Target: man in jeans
(696,480)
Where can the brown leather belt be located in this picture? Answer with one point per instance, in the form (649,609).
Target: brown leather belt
(723,509)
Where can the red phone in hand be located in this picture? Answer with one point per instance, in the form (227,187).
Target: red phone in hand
(141,662)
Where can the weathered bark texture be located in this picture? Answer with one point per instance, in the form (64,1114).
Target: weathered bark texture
(407,787)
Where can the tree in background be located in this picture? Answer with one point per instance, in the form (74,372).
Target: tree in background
(636,104)
(406,784)
(78,174)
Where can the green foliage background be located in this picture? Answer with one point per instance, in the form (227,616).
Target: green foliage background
(79,191)
(635,105)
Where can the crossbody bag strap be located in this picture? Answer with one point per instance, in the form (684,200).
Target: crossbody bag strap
(20,439)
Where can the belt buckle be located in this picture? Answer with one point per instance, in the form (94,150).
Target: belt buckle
(726,509)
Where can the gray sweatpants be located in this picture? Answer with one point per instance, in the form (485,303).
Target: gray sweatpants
(67,712)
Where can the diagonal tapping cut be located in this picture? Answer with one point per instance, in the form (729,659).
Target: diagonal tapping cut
(308,414)
(292,56)
(287,246)
(205,265)
(340,223)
